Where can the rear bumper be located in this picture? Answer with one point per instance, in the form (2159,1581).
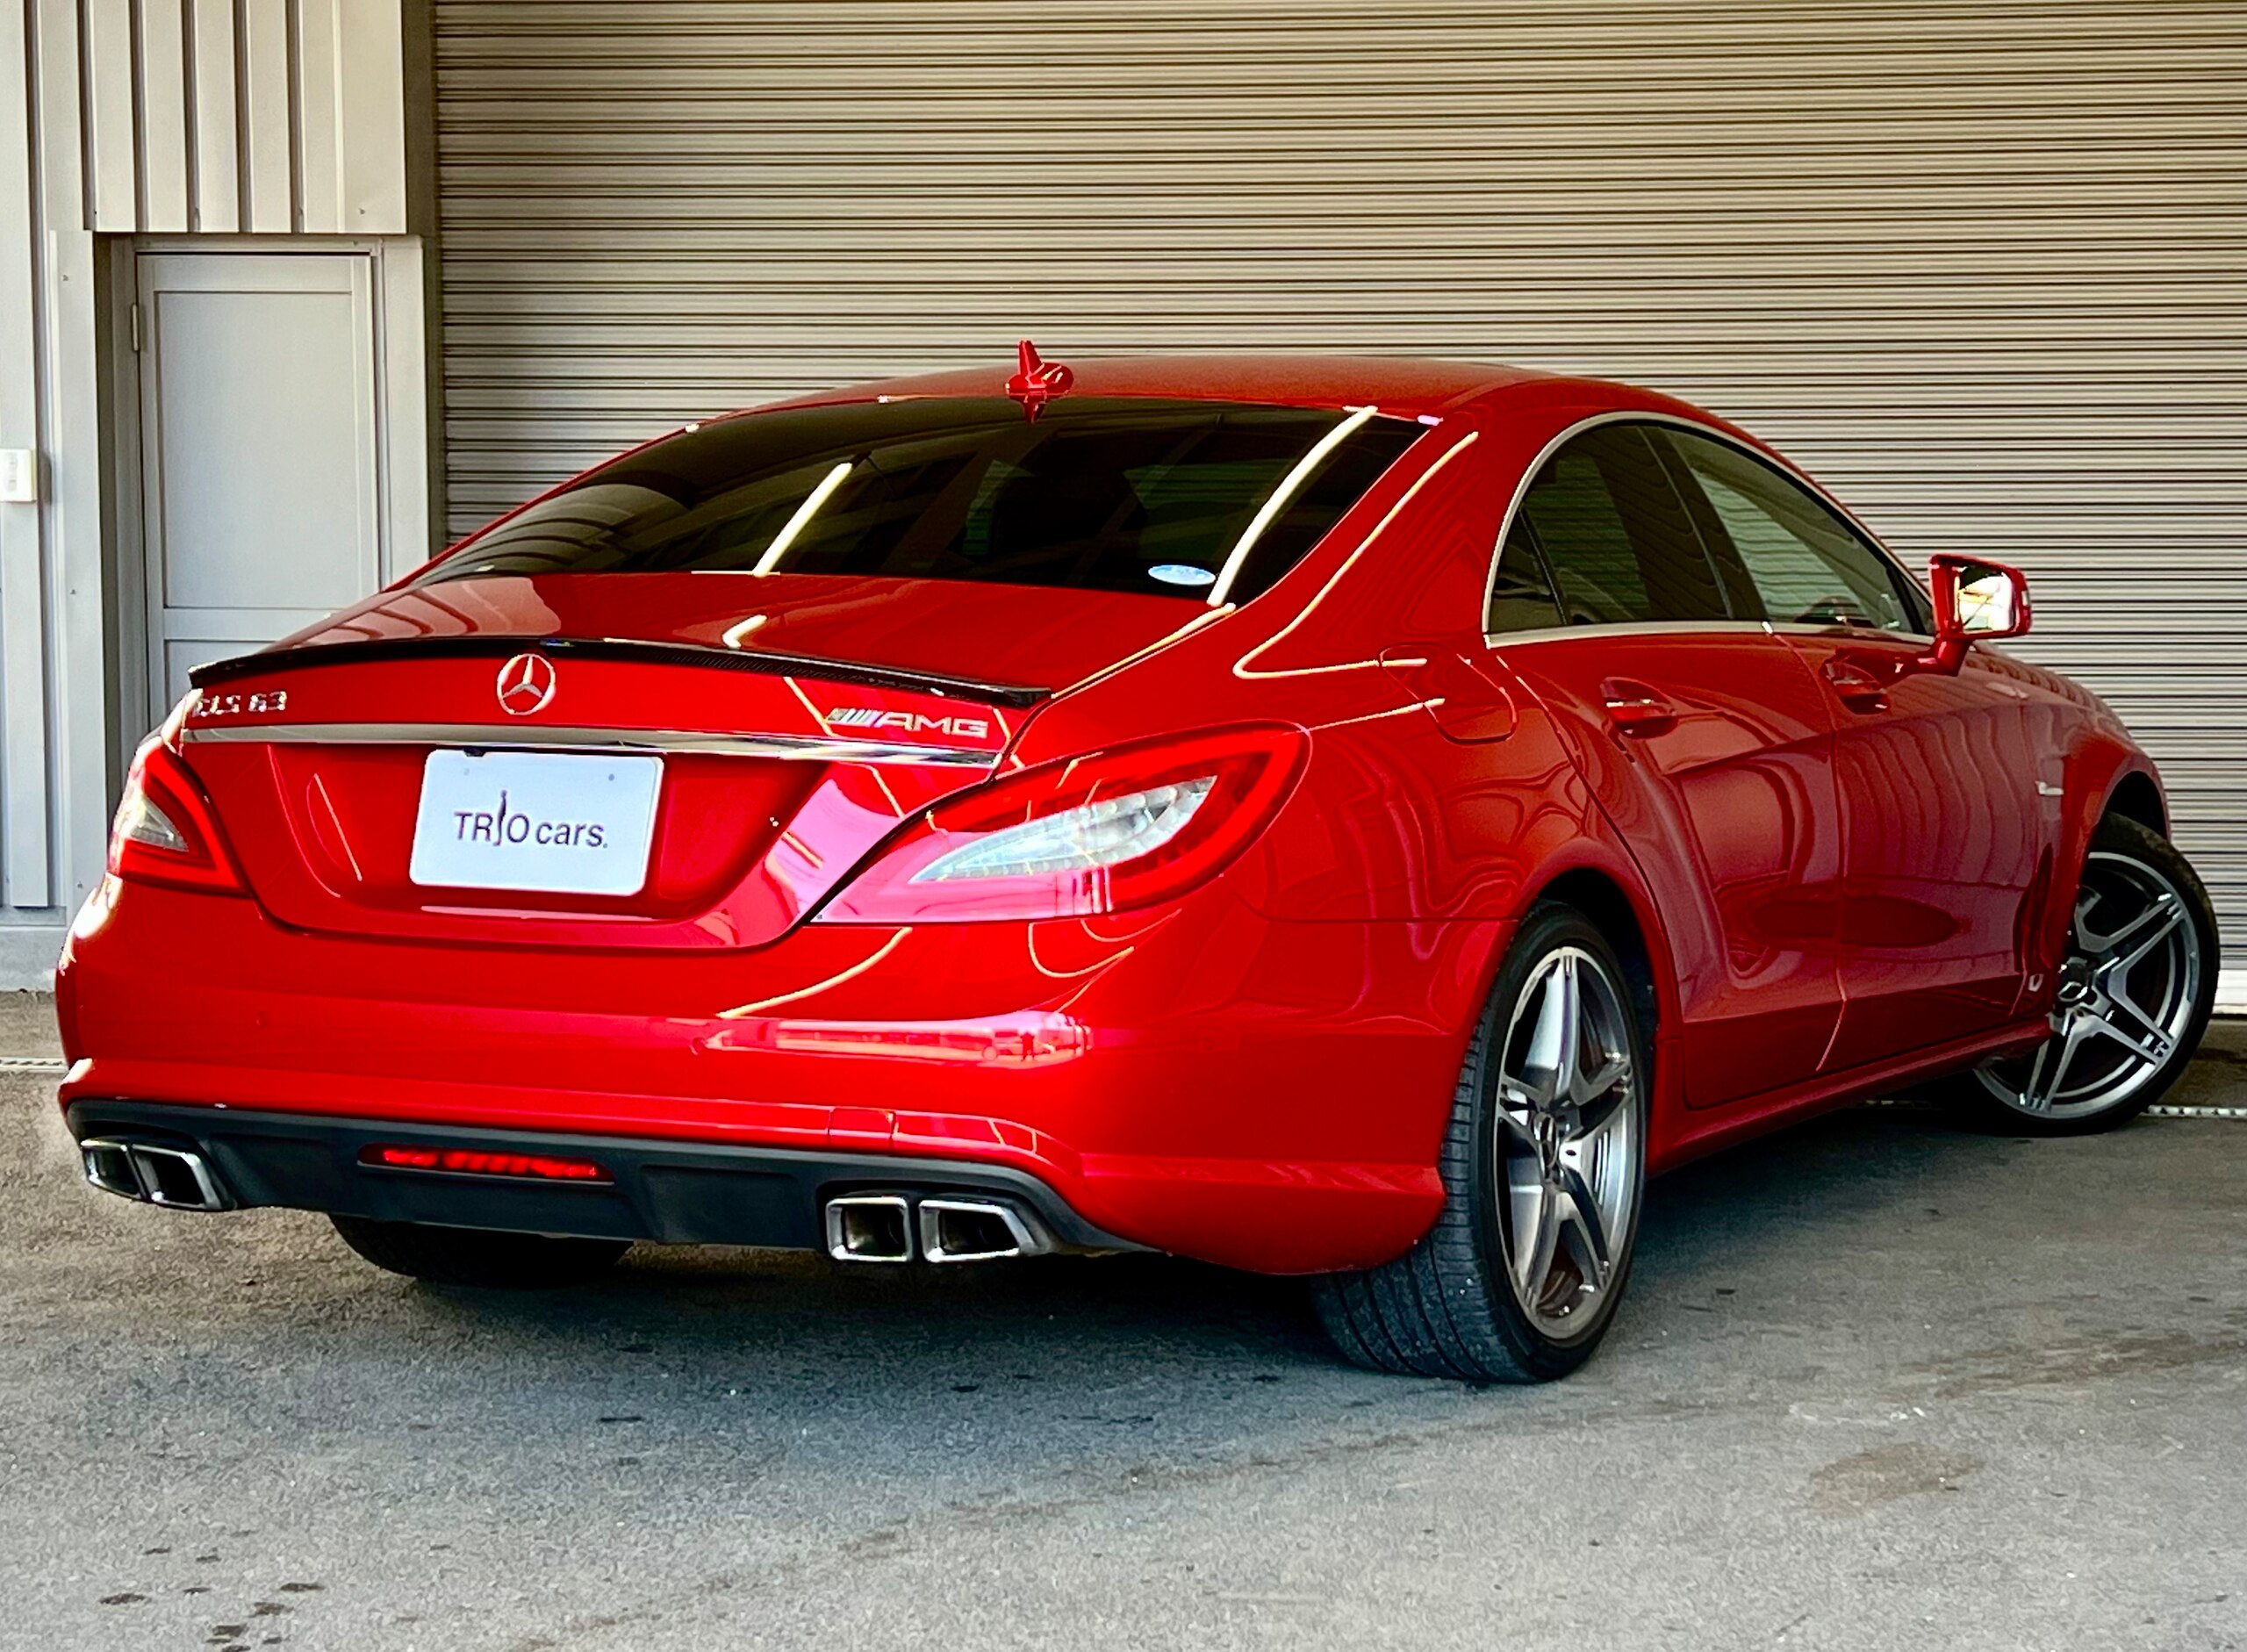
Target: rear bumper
(1198,1079)
(671,1192)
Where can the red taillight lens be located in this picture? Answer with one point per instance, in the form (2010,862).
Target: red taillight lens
(1102,833)
(464,1161)
(166,831)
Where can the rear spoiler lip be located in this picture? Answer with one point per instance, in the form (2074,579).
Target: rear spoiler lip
(303,656)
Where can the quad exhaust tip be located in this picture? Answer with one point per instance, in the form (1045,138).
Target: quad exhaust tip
(176,1178)
(869,1227)
(975,1230)
(895,1227)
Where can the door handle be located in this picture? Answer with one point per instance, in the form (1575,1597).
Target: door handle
(1855,686)
(1635,708)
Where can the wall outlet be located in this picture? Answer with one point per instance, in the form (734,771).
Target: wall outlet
(19,475)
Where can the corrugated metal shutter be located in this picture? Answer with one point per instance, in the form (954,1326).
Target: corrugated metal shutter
(1978,266)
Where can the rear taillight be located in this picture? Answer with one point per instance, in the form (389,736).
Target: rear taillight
(1102,833)
(165,832)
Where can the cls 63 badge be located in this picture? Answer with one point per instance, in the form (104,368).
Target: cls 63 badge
(209,705)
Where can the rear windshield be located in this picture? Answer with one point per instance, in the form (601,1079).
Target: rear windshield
(1211,501)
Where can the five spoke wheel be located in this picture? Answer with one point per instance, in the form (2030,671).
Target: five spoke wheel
(2130,997)
(1568,1158)
(1543,1160)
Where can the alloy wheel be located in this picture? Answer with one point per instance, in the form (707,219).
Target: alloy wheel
(2126,994)
(1569,1157)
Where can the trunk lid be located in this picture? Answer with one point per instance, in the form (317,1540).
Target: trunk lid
(796,720)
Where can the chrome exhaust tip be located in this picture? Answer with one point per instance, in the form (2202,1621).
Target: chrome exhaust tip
(869,1227)
(977,1230)
(176,1178)
(109,1167)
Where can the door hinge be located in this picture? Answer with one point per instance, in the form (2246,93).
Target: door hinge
(136,327)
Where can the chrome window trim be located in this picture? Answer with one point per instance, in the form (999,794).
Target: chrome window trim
(606,742)
(1502,640)
(1791,628)
(1631,416)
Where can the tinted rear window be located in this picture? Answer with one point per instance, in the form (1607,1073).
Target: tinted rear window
(1099,493)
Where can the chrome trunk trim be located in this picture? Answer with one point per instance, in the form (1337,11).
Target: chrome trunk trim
(705,656)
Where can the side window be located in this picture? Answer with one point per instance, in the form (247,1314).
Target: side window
(1809,566)
(1615,539)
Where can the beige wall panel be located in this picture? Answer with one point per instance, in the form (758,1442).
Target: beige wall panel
(265,90)
(62,165)
(371,49)
(320,175)
(218,144)
(25,860)
(224,116)
(113,194)
(165,140)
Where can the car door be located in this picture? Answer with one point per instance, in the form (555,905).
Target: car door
(1706,739)
(1943,834)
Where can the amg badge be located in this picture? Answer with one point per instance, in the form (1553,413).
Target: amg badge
(908,723)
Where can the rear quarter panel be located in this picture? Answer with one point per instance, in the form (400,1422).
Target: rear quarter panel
(1393,822)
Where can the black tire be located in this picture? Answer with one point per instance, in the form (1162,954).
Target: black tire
(1449,1306)
(479,1256)
(1995,1096)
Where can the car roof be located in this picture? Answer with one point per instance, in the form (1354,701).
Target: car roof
(1405,385)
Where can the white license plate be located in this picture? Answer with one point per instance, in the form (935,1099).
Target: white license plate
(553,822)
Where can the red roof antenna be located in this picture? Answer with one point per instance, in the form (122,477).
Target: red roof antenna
(1037,382)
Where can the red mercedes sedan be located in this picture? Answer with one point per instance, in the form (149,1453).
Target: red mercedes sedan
(1348,818)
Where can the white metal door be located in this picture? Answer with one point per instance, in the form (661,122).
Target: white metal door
(260,473)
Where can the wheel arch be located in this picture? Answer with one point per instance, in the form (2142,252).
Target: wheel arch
(1595,875)
(2136,795)
(2104,776)
(1601,898)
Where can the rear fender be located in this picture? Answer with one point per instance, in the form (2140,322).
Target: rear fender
(1598,852)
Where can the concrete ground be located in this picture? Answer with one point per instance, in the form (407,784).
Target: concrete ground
(1879,1384)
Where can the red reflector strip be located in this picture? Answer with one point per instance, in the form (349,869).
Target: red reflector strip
(466,1161)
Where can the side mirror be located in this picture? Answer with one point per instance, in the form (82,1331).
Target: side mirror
(1973,600)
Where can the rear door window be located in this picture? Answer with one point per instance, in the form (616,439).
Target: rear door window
(1808,565)
(1160,497)
(1604,523)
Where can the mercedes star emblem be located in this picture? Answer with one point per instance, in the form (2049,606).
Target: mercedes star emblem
(526,684)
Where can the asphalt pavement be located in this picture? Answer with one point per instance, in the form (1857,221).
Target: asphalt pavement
(1880,1383)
